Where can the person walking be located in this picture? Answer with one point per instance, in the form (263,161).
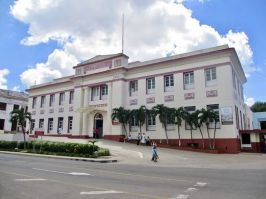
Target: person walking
(138,138)
(143,139)
(155,156)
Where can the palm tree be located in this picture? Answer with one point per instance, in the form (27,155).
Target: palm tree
(122,115)
(140,116)
(215,118)
(20,116)
(179,115)
(166,116)
(198,123)
(189,118)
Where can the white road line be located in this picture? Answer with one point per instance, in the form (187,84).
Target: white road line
(190,189)
(99,192)
(181,196)
(71,173)
(25,180)
(200,184)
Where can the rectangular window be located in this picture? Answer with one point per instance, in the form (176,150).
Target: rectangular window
(2,124)
(168,83)
(42,101)
(188,80)
(34,101)
(118,62)
(210,77)
(32,124)
(234,79)
(237,117)
(95,94)
(15,107)
(60,125)
(50,124)
(51,102)
(71,97)
(245,139)
(215,108)
(70,124)
(190,109)
(41,122)
(133,124)
(150,83)
(61,98)
(151,123)
(133,88)
(104,92)
(2,106)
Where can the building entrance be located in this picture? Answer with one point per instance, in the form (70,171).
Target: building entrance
(98,126)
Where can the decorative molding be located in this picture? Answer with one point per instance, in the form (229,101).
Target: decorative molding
(189,96)
(169,98)
(212,93)
(71,108)
(41,111)
(33,113)
(61,109)
(98,105)
(51,110)
(133,102)
(150,100)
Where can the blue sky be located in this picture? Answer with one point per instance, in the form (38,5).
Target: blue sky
(38,46)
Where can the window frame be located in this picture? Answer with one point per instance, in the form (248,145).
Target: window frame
(212,79)
(211,124)
(151,123)
(71,97)
(50,125)
(169,83)
(150,85)
(189,80)
(133,88)
(51,100)
(61,98)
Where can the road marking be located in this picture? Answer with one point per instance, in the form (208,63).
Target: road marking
(182,196)
(200,184)
(99,192)
(190,189)
(71,173)
(35,179)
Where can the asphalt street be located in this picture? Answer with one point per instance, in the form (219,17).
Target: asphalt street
(41,178)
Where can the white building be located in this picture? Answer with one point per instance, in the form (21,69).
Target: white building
(10,100)
(77,104)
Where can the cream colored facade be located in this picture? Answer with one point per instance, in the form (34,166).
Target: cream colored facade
(179,80)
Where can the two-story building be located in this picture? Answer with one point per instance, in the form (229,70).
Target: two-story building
(208,78)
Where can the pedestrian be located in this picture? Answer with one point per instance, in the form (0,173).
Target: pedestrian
(143,139)
(148,141)
(138,138)
(129,138)
(155,156)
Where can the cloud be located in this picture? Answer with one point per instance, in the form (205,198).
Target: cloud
(16,88)
(3,81)
(250,101)
(153,29)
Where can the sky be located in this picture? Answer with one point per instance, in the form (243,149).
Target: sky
(43,39)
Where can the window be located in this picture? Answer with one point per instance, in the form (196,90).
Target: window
(104,92)
(51,102)
(2,106)
(70,124)
(245,139)
(61,98)
(150,85)
(151,123)
(237,117)
(71,97)
(210,77)
(133,88)
(95,94)
(190,109)
(117,62)
(234,78)
(32,124)
(188,80)
(42,101)
(41,122)
(168,83)
(34,100)
(133,124)
(2,124)
(78,71)
(15,107)
(50,124)
(215,108)
(60,125)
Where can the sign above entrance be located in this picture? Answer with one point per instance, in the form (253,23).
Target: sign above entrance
(98,105)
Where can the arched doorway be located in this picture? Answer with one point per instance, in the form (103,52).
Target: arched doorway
(98,126)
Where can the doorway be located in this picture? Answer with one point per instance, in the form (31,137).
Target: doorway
(263,125)
(98,126)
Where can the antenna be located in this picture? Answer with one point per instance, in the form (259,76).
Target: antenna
(123,33)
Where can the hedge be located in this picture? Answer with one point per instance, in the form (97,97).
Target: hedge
(57,148)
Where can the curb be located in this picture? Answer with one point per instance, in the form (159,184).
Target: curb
(62,157)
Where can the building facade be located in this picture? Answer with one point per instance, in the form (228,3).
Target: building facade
(9,101)
(77,105)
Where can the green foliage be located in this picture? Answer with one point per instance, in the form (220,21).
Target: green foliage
(140,115)
(8,145)
(259,107)
(122,115)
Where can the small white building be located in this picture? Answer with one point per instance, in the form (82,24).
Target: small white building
(9,101)
(78,104)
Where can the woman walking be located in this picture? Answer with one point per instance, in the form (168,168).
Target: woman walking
(155,156)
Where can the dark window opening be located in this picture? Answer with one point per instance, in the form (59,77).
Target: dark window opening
(263,125)
(2,124)
(245,138)
(2,106)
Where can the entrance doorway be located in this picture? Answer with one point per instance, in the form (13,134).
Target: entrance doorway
(98,126)
(263,125)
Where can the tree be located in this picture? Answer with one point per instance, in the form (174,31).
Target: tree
(179,115)
(20,116)
(122,115)
(259,107)
(215,118)
(197,120)
(166,116)
(140,115)
(189,118)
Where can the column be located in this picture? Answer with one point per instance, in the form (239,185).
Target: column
(109,110)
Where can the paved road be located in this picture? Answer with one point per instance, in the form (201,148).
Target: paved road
(42,178)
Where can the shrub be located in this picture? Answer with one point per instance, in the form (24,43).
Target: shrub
(8,145)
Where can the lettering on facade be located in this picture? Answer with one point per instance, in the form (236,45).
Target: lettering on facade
(211,93)
(98,105)
(133,102)
(150,100)
(189,96)
(61,109)
(103,64)
(169,98)
(51,110)
(41,111)
(71,108)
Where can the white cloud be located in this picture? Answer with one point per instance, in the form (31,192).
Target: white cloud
(16,88)
(3,81)
(250,101)
(87,28)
